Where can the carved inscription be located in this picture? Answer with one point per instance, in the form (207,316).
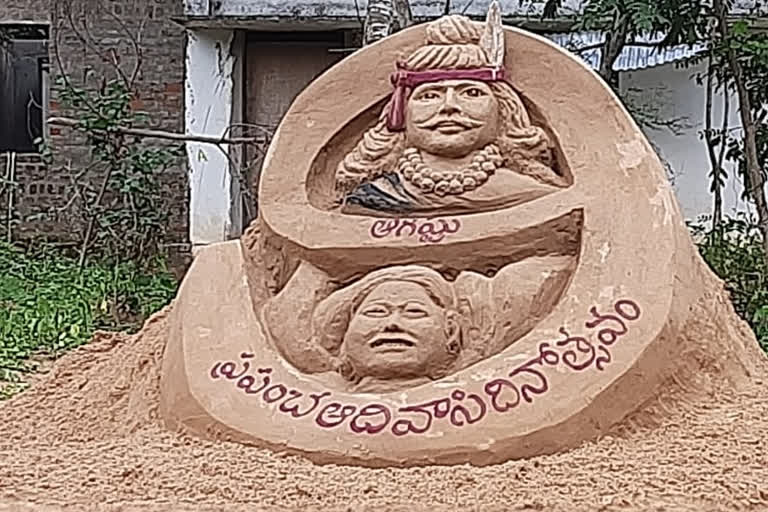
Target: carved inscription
(425,230)
(460,408)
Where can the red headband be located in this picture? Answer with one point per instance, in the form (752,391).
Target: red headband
(404,80)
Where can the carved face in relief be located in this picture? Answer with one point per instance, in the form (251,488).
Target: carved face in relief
(452,118)
(399,331)
(454,135)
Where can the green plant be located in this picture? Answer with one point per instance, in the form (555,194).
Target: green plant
(626,22)
(737,58)
(734,251)
(48,305)
(760,325)
(125,217)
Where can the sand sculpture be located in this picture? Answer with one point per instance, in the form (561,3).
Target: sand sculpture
(467,252)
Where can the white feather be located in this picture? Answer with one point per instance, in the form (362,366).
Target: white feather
(492,39)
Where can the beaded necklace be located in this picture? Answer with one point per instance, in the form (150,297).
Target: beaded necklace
(485,162)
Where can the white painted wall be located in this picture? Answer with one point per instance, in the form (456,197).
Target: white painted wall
(675,93)
(210,62)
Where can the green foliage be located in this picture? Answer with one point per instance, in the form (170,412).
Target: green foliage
(752,50)
(678,20)
(47,305)
(734,252)
(126,215)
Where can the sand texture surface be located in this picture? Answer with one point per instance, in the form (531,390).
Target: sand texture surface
(87,436)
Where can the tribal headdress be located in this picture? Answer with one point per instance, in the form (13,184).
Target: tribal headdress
(455,48)
(455,51)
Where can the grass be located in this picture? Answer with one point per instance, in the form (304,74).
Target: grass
(47,305)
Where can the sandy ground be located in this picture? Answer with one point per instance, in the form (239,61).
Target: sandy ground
(86,436)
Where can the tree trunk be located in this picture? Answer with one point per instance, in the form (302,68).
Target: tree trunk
(615,40)
(716,170)
(385,17)
(723,145)
(404,14)
(756,181)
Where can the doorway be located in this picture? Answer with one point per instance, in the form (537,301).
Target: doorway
(278,66)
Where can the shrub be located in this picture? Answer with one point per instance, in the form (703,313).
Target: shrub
(47,305)
(734,252)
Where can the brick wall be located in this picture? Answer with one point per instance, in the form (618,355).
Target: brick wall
(32,191)
(161,97)
(24,10)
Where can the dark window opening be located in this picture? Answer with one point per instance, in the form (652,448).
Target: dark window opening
(23,70)
(335,37)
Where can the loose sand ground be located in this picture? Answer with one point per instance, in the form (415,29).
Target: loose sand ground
(87,437)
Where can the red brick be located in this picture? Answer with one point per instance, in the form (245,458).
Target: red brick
(173,87)
(161,78)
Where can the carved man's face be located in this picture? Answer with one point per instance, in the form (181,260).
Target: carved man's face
(399,332)
(452,118)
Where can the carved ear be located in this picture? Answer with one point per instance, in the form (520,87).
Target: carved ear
(346,370)
(453,332)
(492,40)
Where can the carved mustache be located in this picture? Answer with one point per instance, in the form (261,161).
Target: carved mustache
(465,122)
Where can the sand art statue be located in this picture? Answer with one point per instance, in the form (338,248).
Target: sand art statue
(394,325)
(460,263)
(455,136)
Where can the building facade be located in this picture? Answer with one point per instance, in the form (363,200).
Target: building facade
(78,35)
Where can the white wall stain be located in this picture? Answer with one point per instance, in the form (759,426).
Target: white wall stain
(604,251)
(632,154)
(665,205)
(607,294)
(209,87)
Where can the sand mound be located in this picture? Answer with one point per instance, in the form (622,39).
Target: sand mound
(88,437)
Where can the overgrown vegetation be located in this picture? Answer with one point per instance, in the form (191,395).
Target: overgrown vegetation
(738,64)
(117,211)
(736,53)
(53,299)
(124,215)
(734,251)
(48,305)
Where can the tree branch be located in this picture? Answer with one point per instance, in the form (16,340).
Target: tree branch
(615,40)
(597,46)
(135,44)
(62,70)
(160,134)
(754,175)
(403,13)
(709,137)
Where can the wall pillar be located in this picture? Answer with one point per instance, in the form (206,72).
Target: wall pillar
(212,70)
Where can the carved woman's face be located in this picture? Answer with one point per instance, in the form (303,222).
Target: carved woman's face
(399,332)
(452,118)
